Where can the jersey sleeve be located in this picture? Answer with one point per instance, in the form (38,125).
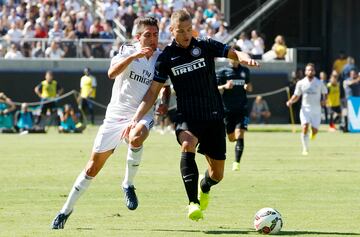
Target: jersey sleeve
(298,91)
(124,51)
(161,69)
(217,49)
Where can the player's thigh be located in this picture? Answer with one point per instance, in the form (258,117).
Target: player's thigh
(187,134)
(141,131)
(109,134)
(212,140)
(305,116)
(315,120)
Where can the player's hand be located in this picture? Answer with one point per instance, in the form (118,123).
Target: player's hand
(229,84)
(162,109)
(126,131)
(144,52)
(288,103)
(252,63)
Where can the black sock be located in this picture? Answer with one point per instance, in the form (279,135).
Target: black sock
(239,147)
(190,175)
(207,182)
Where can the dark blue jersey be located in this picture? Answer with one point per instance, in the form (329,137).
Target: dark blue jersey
(234,99)
(192,72)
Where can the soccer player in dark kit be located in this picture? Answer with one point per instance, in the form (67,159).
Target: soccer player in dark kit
(233,83)
(190,64)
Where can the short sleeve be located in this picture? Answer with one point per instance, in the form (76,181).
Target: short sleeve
(124,51)
(298,91)
(217,49)
(161,69)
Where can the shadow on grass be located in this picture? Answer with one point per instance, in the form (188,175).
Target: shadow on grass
(250,231)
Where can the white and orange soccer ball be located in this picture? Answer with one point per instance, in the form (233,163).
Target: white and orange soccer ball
(268,221)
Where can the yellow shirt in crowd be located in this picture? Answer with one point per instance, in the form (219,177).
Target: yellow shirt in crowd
(88,83)
(333,98)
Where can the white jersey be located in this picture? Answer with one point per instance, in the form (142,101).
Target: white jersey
(311,92)
(132,84)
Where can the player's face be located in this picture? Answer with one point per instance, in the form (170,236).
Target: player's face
(182,32)
(310,71)
(149,37)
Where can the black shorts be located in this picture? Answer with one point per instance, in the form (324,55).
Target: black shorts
(52,106)
(238,120)
(336,109)
(211,136)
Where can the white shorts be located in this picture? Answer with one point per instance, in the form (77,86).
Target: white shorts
(108,136)
(311,117)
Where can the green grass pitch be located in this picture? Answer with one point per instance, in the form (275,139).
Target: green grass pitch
(317,195)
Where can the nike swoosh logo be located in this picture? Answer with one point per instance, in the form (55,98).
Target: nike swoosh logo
(173,58)
(185,176)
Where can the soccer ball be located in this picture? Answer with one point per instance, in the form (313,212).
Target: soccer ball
(268,221)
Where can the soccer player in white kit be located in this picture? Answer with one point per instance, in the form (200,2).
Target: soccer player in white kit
(133,71)
(313,93)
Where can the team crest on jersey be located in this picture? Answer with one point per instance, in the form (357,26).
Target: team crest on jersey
(196,51)
(242,74)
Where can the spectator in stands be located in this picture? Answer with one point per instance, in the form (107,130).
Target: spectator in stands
(6,118)
(28,31)
(40,31)
(47,90)
(3,28)
(87,94)
(260,111)
(279,47)
(211,10)
(13,18)
(215,21)
(72,5)
(108,33)
(154,12)
(13,52)
(122,9)
(81,33)
(14,35)
(222,34)
(244,43)
(56,33)
(69,122)
(340,62)
(54,51)
(97,25)
(97,49)
(109,10)
(128,20)
(115,48)
(69,45)
(38,52)
(333,100)
(258,49)
(164,33)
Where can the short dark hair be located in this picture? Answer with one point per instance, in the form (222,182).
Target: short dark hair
(141,22)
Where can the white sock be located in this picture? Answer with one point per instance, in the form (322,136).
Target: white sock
(305,141)
(81,184)
(132,165)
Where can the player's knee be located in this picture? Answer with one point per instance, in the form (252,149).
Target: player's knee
(217,176)
(136,141)
(189,144)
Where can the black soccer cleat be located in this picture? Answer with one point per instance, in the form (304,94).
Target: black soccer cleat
(131,200)
(59,221)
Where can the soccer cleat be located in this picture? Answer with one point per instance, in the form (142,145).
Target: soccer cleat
(59,221)
(131,200)
(305,152)
(194,212)
(312,135)
(203,197)
(236,166)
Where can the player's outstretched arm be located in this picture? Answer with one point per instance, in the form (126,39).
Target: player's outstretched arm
(120,66)
(292,100)
(242,57)
(146,104)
